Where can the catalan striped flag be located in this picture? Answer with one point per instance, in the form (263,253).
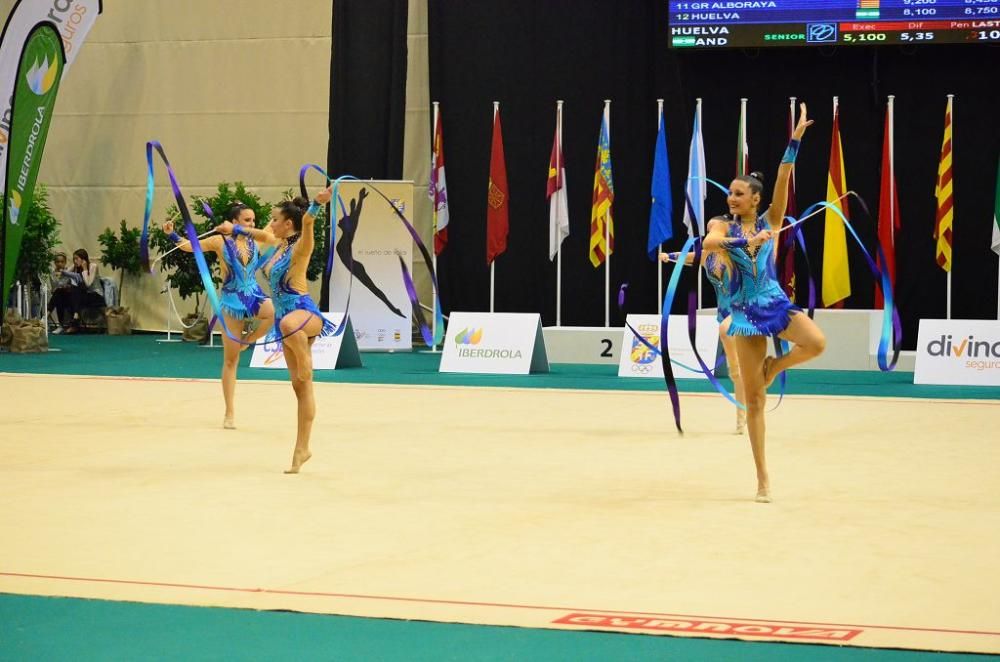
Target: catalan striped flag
(836,269)
(945,196)
(604,197)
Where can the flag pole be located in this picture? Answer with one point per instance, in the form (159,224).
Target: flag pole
(607,236)
(493,262)
(659,249)
(951,113)
(892,168)
(559,108)
(434,227)
(696,222)
(741,167)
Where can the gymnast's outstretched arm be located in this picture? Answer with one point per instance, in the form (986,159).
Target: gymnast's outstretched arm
(779,199)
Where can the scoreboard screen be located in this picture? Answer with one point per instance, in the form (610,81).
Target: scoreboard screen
(760,23)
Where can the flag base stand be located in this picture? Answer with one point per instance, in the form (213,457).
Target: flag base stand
(594,345)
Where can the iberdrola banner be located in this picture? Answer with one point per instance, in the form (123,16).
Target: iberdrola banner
(40,40)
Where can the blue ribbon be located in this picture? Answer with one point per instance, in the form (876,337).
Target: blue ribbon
(892,329)
(192,233)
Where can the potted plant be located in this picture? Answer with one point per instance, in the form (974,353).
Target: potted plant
(34,262)
(38,244)
(120,252)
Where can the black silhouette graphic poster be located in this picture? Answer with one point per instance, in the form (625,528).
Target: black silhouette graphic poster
(369,242)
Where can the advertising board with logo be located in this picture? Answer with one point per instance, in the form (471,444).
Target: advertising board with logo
(638,360)
(371,241)
(958,352)
(494,343)
(328,353)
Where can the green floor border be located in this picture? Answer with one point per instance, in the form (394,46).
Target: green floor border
(44,628)
(141,356)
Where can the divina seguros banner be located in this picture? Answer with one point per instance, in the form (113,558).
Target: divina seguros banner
(40,40)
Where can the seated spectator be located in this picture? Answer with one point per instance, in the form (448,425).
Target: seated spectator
(60,297)
(85,291)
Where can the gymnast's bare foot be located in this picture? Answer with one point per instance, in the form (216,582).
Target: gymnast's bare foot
(299,457)
(768,367)
(741,421)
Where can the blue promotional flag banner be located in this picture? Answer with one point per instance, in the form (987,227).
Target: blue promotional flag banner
(40,41)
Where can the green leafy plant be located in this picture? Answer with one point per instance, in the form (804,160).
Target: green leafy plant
(39,241)
(121,252)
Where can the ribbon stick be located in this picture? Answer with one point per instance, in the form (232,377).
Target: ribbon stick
(178,247)
(796,222)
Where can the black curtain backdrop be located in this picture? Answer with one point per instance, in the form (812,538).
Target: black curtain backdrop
(527,54)
(367,92)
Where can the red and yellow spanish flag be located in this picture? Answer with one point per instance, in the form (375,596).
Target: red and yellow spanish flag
(604,197)
(945,197)
(836,269)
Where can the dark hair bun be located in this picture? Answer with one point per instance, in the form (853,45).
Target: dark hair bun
(758,175)
(300,202)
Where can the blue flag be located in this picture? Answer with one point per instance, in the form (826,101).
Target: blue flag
(660,228)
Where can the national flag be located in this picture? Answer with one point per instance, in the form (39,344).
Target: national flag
(498,199)
(438,190)
(604,197)
(995,243)
(786,246)
(742,146)
(662,210)
(555,191)
(836,270)
(888,206)
(945,197)
(696,188)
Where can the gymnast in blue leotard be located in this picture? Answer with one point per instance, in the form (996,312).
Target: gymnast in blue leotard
(297,319)
(242,299)
(759,307)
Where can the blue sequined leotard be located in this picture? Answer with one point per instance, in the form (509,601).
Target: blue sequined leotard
(285,298)
(241,295)
(718,274)
(759,306)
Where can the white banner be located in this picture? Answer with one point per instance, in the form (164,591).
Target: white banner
(637,360)
(494,343)
(380,307)
(329,353)
(958,352)
(71,18)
